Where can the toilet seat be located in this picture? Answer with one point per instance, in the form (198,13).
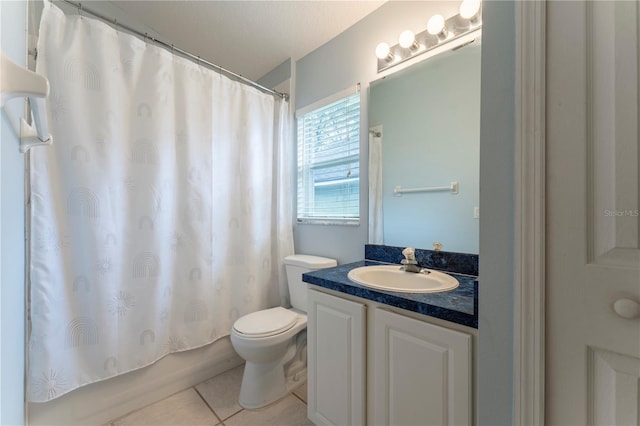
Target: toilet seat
(265,323)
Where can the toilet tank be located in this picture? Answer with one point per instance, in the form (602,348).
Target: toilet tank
(298,264)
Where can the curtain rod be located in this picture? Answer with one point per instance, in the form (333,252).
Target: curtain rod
(171,47)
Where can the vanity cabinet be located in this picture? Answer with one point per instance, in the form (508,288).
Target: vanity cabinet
(417,373)
(336,365)
(421,372)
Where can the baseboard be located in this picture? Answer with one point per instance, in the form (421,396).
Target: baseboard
(100,403)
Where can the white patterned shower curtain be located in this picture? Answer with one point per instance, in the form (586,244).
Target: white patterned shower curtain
(159,215)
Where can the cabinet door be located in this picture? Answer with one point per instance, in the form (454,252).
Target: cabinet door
(422,373)
(336,360)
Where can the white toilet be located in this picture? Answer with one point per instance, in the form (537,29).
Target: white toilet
(273,341)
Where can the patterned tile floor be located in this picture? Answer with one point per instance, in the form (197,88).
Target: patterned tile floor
(215,402)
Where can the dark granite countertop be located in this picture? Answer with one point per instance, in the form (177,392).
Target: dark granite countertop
(459,305)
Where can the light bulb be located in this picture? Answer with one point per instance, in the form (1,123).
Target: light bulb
(383,51)
(435,24)
(469,8)
(407,39)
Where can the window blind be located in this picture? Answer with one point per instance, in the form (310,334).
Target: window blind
(328,162)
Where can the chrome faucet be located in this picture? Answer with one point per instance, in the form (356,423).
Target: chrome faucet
(410,263)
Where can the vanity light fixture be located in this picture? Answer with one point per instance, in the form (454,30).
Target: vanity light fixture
(407,40)
(437,27)
(439,32)
(470,10)
(383,52)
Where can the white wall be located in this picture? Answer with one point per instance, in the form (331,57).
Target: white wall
(12,263)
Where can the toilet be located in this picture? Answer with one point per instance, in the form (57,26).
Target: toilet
(273,342)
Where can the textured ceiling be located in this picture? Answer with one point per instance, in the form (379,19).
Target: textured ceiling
(248,37)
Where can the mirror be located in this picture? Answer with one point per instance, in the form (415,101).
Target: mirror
(425,121)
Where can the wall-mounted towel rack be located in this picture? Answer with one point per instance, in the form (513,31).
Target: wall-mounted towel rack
(398,190)
(16,81)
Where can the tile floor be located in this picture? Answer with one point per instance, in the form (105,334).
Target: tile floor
(215,402)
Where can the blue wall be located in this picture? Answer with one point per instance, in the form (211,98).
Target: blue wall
(348,59)
(342,63)
(495,292)
(12,231)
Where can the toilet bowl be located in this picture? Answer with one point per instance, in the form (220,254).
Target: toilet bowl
(273,342)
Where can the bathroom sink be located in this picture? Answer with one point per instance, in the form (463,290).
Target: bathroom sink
(393,278)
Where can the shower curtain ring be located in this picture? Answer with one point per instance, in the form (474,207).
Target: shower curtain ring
(80,9)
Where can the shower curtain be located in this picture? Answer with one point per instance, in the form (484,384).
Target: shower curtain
(161,212)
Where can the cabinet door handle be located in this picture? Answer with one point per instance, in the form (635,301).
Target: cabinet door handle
(627,308)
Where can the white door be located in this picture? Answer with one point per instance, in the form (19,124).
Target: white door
(421,373)
(593,226)
(336,360)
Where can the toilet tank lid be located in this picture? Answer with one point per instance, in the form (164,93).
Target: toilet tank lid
(310,262)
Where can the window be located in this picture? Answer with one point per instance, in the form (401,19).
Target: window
(329,162)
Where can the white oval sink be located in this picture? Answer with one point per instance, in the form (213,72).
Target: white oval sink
(392,278)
